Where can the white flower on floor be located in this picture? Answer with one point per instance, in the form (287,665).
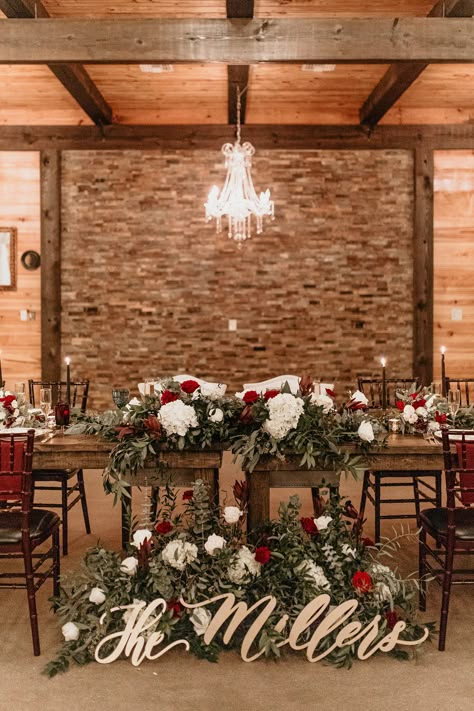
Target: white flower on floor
(232,514)
(409,414)
(366,432)
(242,566)
(177,418)
(322,522)
(179,553)
(314,573)
(97,596)
(214,543)
(129,565)
(213,391)
(70,631)
(200,620)
(216,415)
(323,401)
(284,412)
(348,551)
(384,576)
(140,536)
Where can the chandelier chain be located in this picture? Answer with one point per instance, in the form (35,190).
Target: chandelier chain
(238,114)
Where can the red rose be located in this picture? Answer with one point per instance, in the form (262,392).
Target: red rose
(441,417)
(419,403)
(400,405)
(189,386)
(8,399)
(270,393)
(392,618)
(368,542)
(167,396)
(309,526)
(175,607)
(413,396)
(362,581)
(262,555)
(188,494)
(164,527)
(250,397)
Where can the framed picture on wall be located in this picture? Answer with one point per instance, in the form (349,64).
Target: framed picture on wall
(7,258)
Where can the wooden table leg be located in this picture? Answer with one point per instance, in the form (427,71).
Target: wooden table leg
(259,498)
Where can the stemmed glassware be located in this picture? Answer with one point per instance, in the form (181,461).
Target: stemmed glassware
(454,400)
(19,390)
(46,402)
(121,396)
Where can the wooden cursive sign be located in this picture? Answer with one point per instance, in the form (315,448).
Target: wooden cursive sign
(138,642)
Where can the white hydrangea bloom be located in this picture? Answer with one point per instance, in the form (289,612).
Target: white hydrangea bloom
(243,565)
(409,414)
(284,412)
(178,553)
(314,573)
(323,401)
(177,418)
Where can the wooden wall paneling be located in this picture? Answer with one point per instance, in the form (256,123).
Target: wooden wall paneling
(423,265)
(51,264)
(20,208)
(341,8)
(134,8)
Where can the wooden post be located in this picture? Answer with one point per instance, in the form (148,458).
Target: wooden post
(423,265)
(50,265)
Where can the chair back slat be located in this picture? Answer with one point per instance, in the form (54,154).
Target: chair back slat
(458,452)
(79,391)
(373,389)
(16,459)
(465,387)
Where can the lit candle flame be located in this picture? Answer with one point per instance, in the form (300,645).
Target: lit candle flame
(443,350)
(67,360)
(383,362)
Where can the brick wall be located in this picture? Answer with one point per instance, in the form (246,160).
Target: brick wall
(148,287)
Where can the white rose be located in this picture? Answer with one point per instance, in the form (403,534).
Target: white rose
(216,415)
(200,620)
(359,396)
(322,522)
(348,551)
(178,553)
(323,401)
(409,414)
(433,426)
(129,565)
(366,431)
(232,514)
(70,631)
(213,391)
(140,536)
(214,543)
(242,566)
(97,596)
(421,412)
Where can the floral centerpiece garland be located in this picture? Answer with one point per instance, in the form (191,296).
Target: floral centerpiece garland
(16,414)
(202,553)
(420,411)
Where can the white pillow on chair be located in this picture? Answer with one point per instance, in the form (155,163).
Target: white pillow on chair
(276,382)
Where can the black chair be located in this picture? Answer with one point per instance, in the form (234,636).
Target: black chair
(376,481)
(452,526)
(22,528)
(60,479)
(465,386)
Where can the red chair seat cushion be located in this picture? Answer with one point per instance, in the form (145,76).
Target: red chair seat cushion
(42,523)
(437,521)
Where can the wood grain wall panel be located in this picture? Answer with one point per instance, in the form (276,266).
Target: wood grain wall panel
(20,208)
(197,92)
(287,94)
(136,8)
(32,95)
(342,8)
(454,260)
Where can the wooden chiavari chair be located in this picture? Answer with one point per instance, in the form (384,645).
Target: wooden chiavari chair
(465,386)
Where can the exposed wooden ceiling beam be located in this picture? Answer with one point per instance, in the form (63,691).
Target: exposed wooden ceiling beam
(398,78)
(168,41)
(72,76)
(238,74)
(119,137)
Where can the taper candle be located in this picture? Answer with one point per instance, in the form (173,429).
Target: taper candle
(68,380)
(383,363)
(443,371)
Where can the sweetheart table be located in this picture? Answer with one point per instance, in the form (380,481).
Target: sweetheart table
(403,453)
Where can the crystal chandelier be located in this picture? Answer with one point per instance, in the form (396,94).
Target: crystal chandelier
(238,199)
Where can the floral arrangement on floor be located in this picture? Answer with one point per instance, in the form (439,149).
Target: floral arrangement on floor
(16,414)
(307,424)
(419,410)
(202,552)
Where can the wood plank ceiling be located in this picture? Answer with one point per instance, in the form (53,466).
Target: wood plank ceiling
(205,93)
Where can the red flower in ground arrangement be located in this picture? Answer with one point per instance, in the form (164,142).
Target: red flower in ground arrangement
(350,511)
(392,618)
(164,527)
(441,418)
(362,581)
(400,405)
(368,542)
(175,607)
(250,397)
(262,555)
(309,526)
(167,396)
(419,403)
(270,393)
(188,494)
(189,386)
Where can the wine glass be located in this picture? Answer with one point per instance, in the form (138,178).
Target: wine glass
(46,401)
(454,400)
(121,396)
(19,390)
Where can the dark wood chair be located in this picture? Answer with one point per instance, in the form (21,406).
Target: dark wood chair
(22,528)
(465,386)
(452,526)
(375,482)
(62,479)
